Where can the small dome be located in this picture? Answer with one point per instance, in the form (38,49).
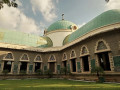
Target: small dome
(61,24)
(104,19)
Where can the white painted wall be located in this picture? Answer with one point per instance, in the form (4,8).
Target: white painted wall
(58,37)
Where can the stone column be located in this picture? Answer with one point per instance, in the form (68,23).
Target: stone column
(27,68)
(12,67)
(2,65)
(34,67)
(19,64)
(111,61)
(55,67)
(82,69)
(89,62)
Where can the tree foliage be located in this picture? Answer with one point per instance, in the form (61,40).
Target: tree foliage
(10,3)
(98,71)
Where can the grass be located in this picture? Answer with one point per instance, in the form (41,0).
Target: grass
(54,84)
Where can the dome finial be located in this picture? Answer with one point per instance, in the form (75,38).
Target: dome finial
(62,16)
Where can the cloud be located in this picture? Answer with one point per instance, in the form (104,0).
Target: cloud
(46,7)
(13,18)
(113,4)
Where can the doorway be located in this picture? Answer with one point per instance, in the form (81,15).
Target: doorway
(37,66)
(85,63)
(23,66)
(52,66)
(64,64)
(73,64)
(104,62)
(7,66)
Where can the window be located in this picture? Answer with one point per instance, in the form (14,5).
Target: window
(84,50)
(52,58)
(64,56)
(24,57)
(38,58)
(9,56)
(101,45)
(73,54)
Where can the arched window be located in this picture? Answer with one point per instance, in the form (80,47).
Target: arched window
(52,58)
(64,56)
(72,55)
(101,45)
(38,58)
(84,50)
(24,57)
(9,56)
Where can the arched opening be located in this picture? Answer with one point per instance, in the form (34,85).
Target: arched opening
(8,60)
(85,58)
(24,63)
(64,61)
(104,61)
(52,61)
(73,61)
(37,62)
(102,52)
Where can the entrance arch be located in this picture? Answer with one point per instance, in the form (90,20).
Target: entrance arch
(8,61)
(73,61)
(64,60)
(103,55)
(37,63)
(52,63)
(85,59)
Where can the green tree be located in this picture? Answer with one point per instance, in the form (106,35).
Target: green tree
(10,3)
(99,72)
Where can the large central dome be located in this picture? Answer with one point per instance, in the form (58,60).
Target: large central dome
(61,24)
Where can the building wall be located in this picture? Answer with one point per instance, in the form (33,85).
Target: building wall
(111,38)
(58,37)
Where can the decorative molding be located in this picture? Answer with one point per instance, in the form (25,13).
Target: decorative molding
(36,58)
(52,58)
(60,30)
(64,58)
(99,30)
(103,49)
(27,60)
(84,51)
(12,59)
(72,54)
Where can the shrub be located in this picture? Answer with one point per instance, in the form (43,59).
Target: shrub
(39,71)
(99,72)
(5,72)
(23,72)
(64,71)
(49,73)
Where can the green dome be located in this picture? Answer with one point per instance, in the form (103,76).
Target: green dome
(106,18)
(61,24)
(20,38)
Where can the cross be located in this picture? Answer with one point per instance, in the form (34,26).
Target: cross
(62,17)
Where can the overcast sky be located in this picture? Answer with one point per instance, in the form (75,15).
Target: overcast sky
(33,16)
